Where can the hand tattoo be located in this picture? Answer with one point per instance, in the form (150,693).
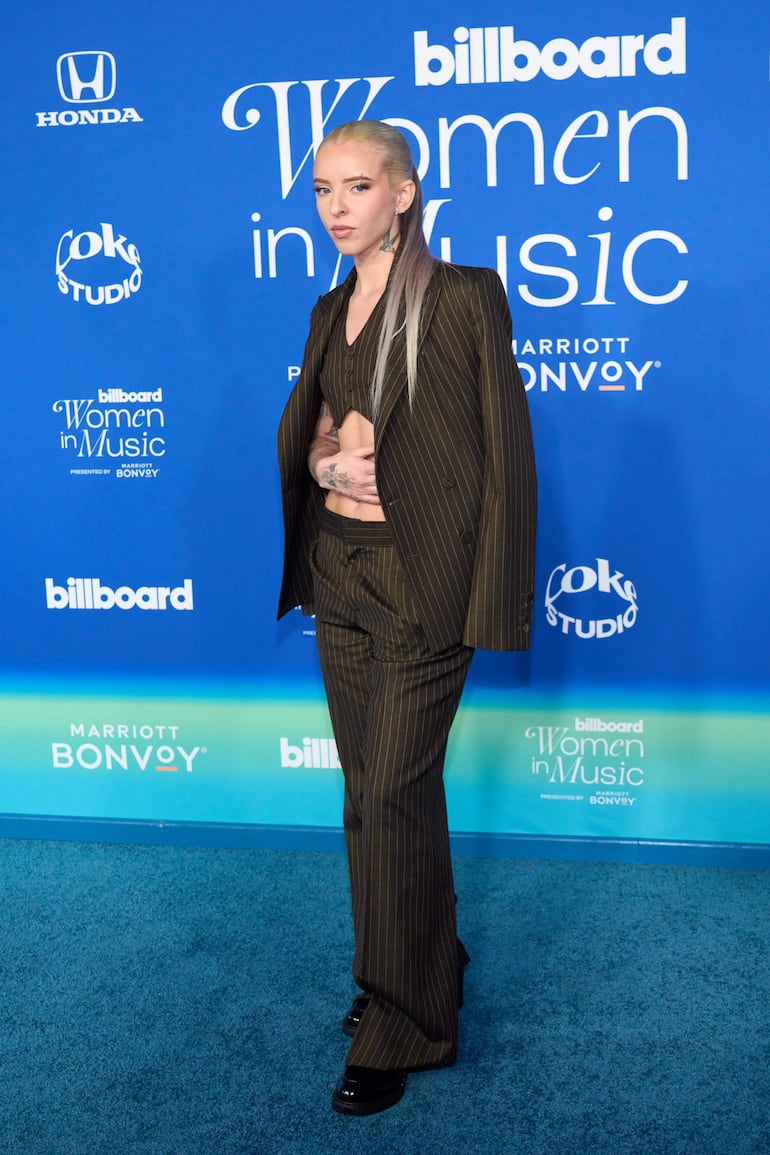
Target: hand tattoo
(332,478)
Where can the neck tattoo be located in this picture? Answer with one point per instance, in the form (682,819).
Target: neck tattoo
(388,243)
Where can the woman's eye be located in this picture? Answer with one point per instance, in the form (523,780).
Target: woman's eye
(360,187)
(321,191)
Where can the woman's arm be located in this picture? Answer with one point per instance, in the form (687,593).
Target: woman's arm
(325,444)
(502,595)
(346,471)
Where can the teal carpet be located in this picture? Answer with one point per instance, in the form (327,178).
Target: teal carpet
(169,1001)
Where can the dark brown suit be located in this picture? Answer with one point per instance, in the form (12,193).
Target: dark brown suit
(456,476)
(456,479)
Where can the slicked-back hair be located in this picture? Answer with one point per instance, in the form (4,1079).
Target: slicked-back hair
(415,264)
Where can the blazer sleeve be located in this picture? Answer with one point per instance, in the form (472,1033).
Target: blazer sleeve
(301,498)
(502,591)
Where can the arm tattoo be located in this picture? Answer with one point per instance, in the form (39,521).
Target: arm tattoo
(324,444)
(333,430)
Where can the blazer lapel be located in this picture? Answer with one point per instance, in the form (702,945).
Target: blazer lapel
(308,388)
(320,339)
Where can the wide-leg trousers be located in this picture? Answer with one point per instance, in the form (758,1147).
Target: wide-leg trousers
(392,702)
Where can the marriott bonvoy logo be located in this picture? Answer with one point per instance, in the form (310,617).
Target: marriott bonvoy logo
(496,55)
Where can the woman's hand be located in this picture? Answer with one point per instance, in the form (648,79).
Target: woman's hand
(349,472)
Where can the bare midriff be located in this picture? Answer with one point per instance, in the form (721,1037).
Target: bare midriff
(355,432)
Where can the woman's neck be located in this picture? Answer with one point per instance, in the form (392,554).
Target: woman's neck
(372,272)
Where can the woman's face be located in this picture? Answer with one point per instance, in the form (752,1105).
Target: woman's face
(355,200)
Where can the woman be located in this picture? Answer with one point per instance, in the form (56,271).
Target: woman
(409,507)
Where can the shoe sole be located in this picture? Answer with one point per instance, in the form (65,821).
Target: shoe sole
(345,1107)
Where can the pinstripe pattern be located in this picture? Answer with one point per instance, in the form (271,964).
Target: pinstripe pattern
(455,474)
(348,369)
(392,703)
(397,621)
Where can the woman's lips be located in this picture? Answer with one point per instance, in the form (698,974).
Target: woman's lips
(342,230)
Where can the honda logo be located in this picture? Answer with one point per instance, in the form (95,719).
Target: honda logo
(86,76)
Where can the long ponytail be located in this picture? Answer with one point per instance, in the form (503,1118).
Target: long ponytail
(415,264)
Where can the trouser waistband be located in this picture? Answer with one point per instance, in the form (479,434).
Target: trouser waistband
(353,530)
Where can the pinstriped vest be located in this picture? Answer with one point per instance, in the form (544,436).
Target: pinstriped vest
(348,370)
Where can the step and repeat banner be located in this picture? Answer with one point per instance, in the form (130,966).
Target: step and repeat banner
(161,256)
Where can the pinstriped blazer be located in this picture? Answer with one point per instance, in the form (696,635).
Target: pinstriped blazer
(455,473)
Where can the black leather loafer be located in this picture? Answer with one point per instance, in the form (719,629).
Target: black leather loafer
(355,1014)
(364,1091)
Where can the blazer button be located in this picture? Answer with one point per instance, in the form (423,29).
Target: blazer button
(448,482)
(466,537)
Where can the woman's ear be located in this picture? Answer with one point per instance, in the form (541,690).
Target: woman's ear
(405,196)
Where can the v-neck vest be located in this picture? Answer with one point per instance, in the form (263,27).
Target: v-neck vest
(348,370)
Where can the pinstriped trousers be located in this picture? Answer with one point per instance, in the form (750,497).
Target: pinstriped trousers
(392,702)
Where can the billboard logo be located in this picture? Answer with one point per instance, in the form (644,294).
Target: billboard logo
(121,397)
(314,753)
(88,245)
(494,56)
(599,726)
(602,601)
(90,594)
(89,73)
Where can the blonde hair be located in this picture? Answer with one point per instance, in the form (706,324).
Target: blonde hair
(415,264)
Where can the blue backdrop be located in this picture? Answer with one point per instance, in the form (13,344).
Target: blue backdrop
(162,256)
